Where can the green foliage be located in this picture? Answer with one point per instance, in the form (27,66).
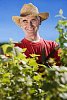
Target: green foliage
(62,29)
(21,79)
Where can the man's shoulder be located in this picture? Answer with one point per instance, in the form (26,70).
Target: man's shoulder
(50,42)
(21,43)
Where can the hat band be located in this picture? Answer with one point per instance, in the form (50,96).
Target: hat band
(25,14)
(22,15)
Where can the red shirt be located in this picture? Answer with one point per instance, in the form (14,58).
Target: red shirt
(42,48)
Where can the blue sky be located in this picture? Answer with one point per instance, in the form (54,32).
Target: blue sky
(9,8)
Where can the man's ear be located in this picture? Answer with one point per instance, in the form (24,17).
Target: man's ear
(40,20)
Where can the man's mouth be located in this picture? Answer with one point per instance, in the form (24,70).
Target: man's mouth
(29,30)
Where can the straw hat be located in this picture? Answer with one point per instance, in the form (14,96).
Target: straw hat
(29,9)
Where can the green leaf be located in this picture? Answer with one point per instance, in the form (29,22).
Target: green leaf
(5,80)
(37,77)
(4,47)
(6,75)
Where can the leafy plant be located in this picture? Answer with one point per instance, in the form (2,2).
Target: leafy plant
(62,39)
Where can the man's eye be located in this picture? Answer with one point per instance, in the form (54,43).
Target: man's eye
(33,20)
(24,21)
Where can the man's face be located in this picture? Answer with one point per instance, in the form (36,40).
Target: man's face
(30,24)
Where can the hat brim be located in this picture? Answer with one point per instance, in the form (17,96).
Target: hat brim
(43,16)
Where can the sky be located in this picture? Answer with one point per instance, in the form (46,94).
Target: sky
(8,8)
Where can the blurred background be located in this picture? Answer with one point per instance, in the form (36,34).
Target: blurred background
(8,8)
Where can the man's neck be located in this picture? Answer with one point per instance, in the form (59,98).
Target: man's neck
(33,38)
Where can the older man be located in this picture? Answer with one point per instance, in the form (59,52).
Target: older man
(29,21)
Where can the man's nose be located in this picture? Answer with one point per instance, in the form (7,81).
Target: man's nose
(30,24)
